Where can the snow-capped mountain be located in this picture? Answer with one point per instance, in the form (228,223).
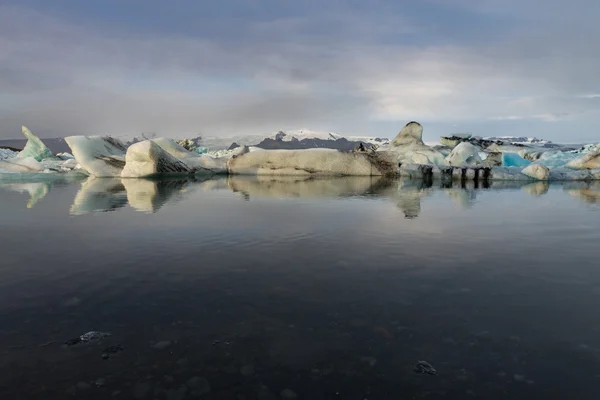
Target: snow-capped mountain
(293,139)
(520,139)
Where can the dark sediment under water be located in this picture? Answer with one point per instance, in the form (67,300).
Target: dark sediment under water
(246,288)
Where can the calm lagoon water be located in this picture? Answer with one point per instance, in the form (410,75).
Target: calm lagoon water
(246,288)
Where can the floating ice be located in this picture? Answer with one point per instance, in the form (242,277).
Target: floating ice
(99,156)
(408,147)
(35,147)
(514,160)
(147,159)
(464,154)
(5,154)
(589,160)
(312,162)
(537,171)
(199,162)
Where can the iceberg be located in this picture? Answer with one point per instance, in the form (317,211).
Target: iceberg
(537,171)
(34,148)
(148,159)
(100,156)
(200,162)
(18,164)
(312,162)
(514,160)
(589,160)
(408,147)
(6,154)
(464,154)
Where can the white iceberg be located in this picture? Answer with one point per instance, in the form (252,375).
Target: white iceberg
(6,154)
(35,147)
(408,147)
(464,154)
(589,160)
(18,164)
(537,171)
(312,162)
(200,162)
(99,156)
(148,159)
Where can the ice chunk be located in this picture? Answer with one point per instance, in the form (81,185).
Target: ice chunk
(508,174)
(5,154)
(99,156)
(408,147)
(312,162)
(566,174)
(18,164)
(537,171)
(589,160)
(35,147)
(147,159)
(65,156)
(464,154)
(514,160)
(553,159)
(201,163)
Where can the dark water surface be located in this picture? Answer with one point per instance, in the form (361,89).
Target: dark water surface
(243,288)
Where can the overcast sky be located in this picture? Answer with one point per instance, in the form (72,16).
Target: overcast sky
(184,67)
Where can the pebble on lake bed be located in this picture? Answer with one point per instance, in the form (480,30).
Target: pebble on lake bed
(423,367)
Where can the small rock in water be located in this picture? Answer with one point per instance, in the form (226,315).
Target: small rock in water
(288,394)
(162,345)
(141,390)
(83,386)
(86,337)
(423,367)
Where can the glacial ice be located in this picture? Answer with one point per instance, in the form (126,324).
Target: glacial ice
(99,156)
(408,147)
(589,160)
(5,154)
(148,159)
(18,164)
(312,162)
(464,154)
(35,147)
(201,163)
(514,160)
(537,171)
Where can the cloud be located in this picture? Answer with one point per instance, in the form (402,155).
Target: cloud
(334,67)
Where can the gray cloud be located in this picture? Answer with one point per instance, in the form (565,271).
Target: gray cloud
(340,71)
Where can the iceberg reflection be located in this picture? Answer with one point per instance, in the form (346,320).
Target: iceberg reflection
(150,196)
